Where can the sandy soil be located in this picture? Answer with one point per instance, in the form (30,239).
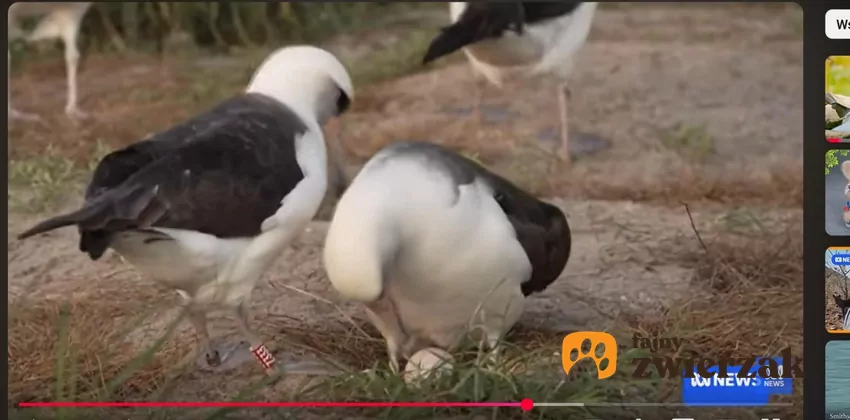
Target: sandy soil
(733,71)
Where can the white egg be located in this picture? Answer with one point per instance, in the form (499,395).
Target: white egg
(426,361)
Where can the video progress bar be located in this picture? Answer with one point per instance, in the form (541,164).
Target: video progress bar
(542,404)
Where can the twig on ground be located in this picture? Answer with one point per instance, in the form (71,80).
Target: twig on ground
(694,227)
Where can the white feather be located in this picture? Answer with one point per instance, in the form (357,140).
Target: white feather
(57,18)
(310,75)
(441,259)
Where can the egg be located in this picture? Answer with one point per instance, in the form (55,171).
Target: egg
(426,361)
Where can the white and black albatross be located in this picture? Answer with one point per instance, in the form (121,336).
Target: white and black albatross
(206,206)
(531,37)
(435,246)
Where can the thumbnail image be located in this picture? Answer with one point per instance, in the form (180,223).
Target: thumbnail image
(838,99)
(837,367)
(837,212)
(837,289)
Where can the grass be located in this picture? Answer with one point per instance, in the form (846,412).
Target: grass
(690,141)
(401,58)
(735,272)
(739,272)
(82,346)
(524,374)
(41,181)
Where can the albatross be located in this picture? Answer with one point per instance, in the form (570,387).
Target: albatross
(206,206)
(439,249)
(532,37)
(57,20)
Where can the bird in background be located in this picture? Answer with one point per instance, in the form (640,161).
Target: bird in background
(206,206)
(436,246)
(536,38)
(56,20)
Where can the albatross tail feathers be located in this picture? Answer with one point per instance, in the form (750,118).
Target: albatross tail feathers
(477,22)
(448,41)
(120,208)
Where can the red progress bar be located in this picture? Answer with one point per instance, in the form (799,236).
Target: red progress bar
(525,404)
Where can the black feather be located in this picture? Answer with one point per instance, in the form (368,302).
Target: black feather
(221,173)
(485,20)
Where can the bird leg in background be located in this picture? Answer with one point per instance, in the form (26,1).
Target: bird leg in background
(205,350)
(563,100)
(12,112)
(72,61)
(258,349)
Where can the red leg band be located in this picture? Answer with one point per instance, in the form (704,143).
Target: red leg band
(263,355)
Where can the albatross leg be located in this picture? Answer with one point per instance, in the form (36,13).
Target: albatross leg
(212,357)
(259,350)
(72,61)
(383,316)
(207,356)
(14,114)
(563,101)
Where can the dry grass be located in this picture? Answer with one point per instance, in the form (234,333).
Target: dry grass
(747,299)
(80,345)
(671,181)
(746,302)
(678,170)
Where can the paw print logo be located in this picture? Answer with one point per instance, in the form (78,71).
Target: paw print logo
(601,347)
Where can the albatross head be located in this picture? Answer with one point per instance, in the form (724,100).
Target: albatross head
(308,79)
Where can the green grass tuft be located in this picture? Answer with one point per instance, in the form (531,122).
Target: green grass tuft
(690,141)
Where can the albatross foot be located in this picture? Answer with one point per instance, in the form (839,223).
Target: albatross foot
(14,114)
(224,357)
(76,114)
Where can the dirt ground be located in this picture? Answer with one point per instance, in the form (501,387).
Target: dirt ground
(699,104)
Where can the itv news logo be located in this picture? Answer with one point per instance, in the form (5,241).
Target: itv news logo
(728,381)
